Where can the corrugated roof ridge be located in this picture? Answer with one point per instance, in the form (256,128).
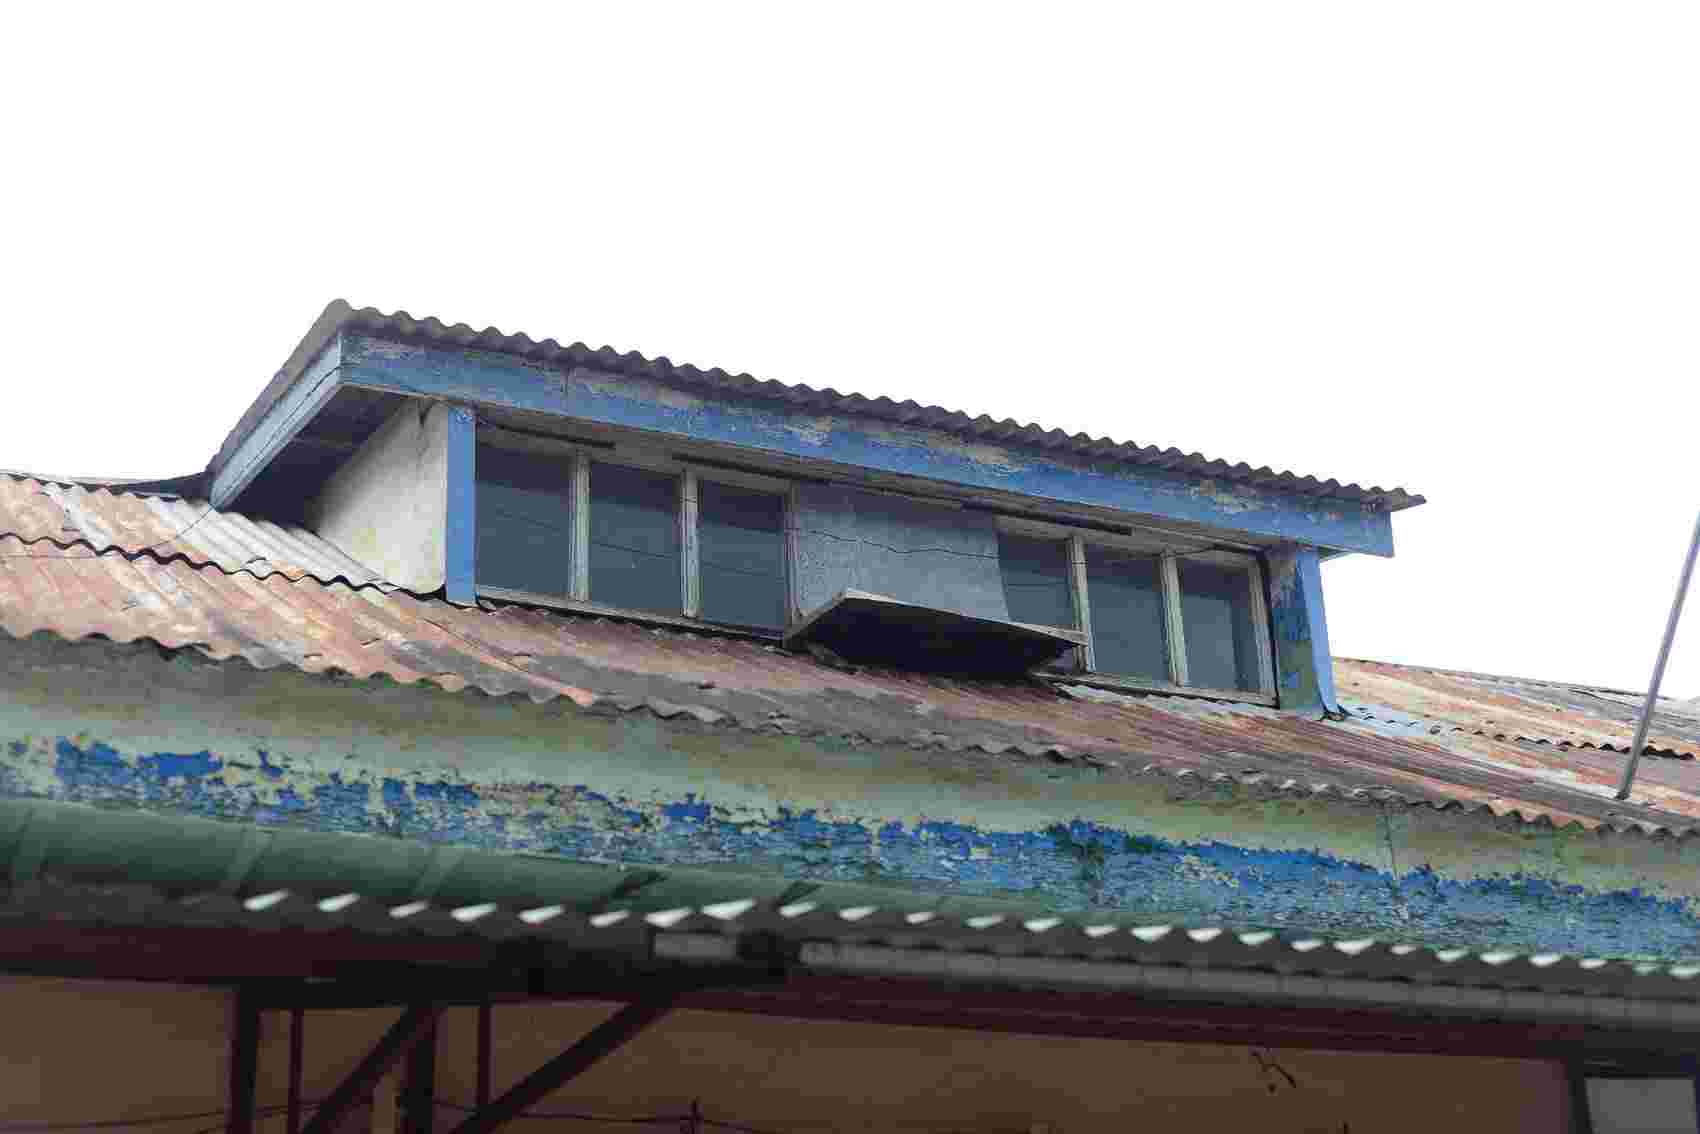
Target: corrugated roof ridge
(180,552)
(1577,686)
(339,313)
(708,716)
(188,560)
(1500,734)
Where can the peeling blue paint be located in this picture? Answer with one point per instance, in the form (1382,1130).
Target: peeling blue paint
(1304,661)
(498,379)
(1072,866)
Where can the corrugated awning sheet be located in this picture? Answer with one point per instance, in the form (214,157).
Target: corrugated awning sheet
(229,588)
(340,315)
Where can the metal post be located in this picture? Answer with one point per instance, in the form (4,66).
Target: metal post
(244,1063)
(602,1040)
(297,1021)
(483,1095)
(1659,666)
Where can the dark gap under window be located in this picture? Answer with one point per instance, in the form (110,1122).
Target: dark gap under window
(1129,635)
(741,556)
(1221,646)
(1035,580)
(634,539)
(524,512)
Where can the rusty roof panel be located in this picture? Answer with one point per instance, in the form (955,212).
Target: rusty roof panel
(34,510)
(1513,708)
(122,566)
(339,314)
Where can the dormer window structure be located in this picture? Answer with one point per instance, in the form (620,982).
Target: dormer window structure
(498,468)
(630,533)
(1155,613)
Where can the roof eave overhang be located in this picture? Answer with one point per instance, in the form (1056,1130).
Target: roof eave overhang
(349,347)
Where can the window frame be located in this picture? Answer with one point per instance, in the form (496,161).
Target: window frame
(1171,551)
(577,457)
(1172,548)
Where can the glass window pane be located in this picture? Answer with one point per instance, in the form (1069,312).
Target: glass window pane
(634,539)
(741,555)
(1125,592)
(1221,645)
(1035,580)
(524,512)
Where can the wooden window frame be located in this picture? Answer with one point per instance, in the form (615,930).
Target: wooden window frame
(688,475)
(1171,552)
(1172,549)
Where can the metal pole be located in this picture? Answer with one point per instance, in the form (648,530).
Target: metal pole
(297,1022)
(1659,666)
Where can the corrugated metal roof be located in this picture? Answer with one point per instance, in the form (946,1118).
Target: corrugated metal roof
(1511,708)
(39,511)
(223,607)
(340,315)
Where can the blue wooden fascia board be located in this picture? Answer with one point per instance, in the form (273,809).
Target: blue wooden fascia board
(496,379)
(305,398)
(460,538)
(1304,661)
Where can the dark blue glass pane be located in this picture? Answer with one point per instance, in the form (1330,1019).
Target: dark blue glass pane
(1125,592)
(634,539)
(525,521)
(1221,645)
(1035,580)
(741,555)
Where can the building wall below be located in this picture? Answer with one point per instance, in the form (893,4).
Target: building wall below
(81,1051)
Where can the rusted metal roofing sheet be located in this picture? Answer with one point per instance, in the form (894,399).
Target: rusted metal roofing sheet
(340,315)
(1509,708)
(58,516)
(234,597)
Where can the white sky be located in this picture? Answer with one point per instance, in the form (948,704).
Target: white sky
(1446,246)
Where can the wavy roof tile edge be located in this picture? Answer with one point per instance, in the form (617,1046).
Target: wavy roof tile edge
(339,314)
(1260,783)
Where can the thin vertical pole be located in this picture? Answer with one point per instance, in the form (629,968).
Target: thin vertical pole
(1174,623)
(1581,1118)
(244,1063)
(483,1054)
(689,581)
(1659,666)
(1082,601)
(297,1021)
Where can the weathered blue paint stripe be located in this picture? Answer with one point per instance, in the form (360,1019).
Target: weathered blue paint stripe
(316,385)
(1070,866)
(502,380)
(461,534)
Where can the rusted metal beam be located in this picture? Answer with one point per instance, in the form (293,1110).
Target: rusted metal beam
(419,1086)
(415,1024)
(244,1064)
(602,1040)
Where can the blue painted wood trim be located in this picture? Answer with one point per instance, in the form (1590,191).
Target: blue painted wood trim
(318,382)
(1316,612)
(460,542)
(485,377)
(1304,664)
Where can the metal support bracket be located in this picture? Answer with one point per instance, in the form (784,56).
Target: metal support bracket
(418,1022)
